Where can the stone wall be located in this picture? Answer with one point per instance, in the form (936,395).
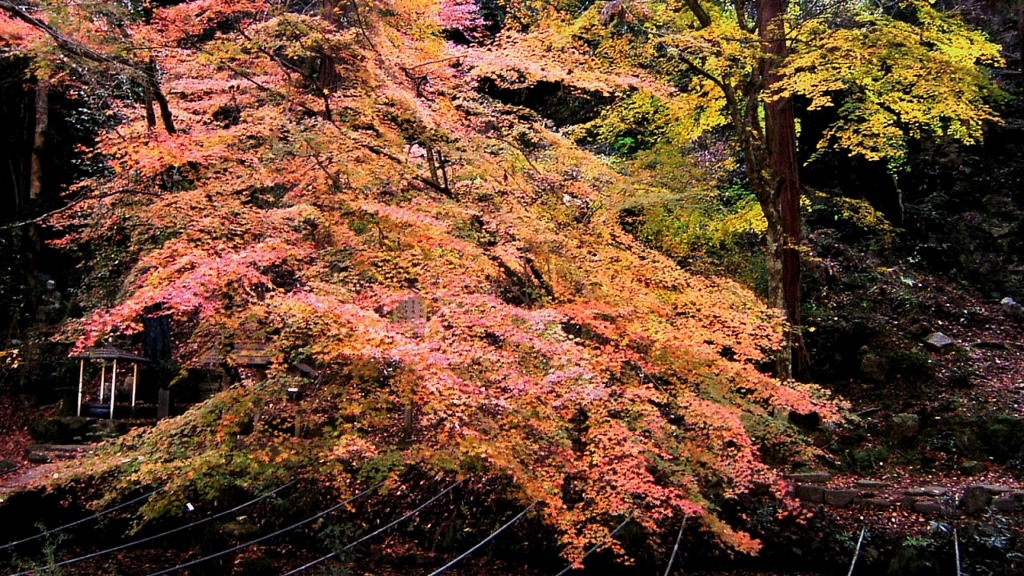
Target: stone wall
(818,488)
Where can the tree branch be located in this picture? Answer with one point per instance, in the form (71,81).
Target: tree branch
(80,199)
(69,45)
(699,12)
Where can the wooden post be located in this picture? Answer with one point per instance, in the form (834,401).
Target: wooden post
(81,380)
(103,377)
(113,389)
(135,384)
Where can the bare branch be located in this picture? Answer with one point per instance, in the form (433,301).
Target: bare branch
(80,199)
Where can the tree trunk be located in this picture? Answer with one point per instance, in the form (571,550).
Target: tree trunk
(35,183)
(328,77)
(785,234)
(153,81)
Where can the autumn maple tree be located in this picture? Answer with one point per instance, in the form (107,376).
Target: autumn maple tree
(336,188)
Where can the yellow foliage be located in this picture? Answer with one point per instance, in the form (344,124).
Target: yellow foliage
(892,81)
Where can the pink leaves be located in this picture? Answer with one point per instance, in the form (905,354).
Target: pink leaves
(462,15)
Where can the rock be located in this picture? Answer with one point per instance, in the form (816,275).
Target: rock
(874,367)
(1005,504)
(38,457)
(811,477)
(971,468)
(975,499)
(1011,307)
(904,426)
(872,484)
(839,498)
(938,341)
(877,502)
(810,493)
(994,489)
(928,507)
(933,491)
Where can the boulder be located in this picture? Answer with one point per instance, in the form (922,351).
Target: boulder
(874,367)
(971,468)
(938,341)
(976,499)
(839,498)
(1011,307)
(810,493)
(1005,504)
(904,426)
(928,507)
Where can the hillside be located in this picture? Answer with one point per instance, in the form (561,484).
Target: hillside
(391,248)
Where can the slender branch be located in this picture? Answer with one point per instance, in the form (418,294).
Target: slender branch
(438,61)
(69,45)
(80,199)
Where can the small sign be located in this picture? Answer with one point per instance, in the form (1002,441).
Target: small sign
(410,309)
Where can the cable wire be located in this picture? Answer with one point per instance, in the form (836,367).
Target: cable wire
(675,550)
(264,496)
(77,522)
(484,541)
(595,547)
(956,550)
(268,536)
(375,532)
(856,552)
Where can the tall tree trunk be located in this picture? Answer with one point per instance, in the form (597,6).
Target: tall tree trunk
(42,112)
(785,234)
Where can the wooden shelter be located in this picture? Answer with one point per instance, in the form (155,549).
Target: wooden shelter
(107,354)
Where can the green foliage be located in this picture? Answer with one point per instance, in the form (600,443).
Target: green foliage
(919,555)
(711,233)
(637,122)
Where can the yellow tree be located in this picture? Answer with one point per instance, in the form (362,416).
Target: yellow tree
(915,73)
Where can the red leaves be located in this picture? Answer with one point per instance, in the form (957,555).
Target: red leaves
(312,232)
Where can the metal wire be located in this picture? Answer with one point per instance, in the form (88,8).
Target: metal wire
(856,552)
(375,532)
(155,536)
(956,550)
(268,536)
(484,541)
(77,522)
(675,550)
(595,547)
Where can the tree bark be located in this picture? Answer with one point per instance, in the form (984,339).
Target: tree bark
(1020,37)
(157,94)
(42,112)
(784,235)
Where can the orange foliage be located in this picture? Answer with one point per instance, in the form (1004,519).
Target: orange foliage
(553,347)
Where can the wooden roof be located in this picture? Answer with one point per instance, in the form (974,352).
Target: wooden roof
(245,353)
(109,352)
(250,353)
